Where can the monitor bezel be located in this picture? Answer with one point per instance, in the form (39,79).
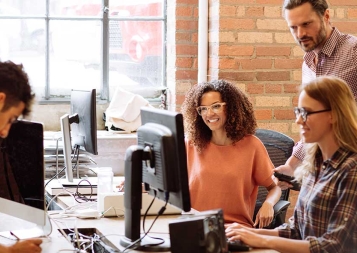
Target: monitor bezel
(83,118)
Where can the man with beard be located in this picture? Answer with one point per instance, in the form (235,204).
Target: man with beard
(328,52)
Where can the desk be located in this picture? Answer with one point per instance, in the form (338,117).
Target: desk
(113,228)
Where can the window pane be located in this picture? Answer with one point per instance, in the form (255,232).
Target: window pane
(76,55)
(136,8)
(23,41)
(76,8)
(33,7)
(135,54)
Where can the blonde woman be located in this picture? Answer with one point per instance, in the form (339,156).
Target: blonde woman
(325,216)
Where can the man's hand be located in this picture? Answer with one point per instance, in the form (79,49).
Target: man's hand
(26,246)
(287,169)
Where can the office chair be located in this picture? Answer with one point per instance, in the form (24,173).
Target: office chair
(279,147)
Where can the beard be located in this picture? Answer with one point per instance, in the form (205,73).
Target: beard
(313,42)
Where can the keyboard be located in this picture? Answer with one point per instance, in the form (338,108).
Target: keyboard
(237,245)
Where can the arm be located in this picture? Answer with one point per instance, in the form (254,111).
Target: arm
(266,238)
(265,214)
(288,169)
(26,246)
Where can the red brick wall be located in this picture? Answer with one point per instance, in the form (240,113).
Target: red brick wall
(250,45)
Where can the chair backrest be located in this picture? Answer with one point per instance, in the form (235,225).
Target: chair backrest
(279,147)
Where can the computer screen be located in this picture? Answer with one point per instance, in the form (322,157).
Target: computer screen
(79,130)
(158,161)
(22,173)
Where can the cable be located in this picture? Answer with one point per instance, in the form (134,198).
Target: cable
(115,211)
(80,196)
(55,176)
(161,211)
(53,198)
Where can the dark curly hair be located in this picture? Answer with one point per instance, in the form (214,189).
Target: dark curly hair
(240,115)
(14,82)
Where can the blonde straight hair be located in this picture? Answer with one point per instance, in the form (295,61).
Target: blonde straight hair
(333,93)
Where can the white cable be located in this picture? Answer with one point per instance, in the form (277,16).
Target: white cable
(61,193)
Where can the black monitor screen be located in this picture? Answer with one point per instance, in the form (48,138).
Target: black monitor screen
(22,163)
(84,131)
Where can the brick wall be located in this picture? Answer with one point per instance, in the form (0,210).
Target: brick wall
(250,45)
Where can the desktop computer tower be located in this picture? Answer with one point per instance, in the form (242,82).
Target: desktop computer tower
(200,233)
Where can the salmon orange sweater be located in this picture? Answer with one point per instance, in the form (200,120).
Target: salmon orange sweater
(228,177)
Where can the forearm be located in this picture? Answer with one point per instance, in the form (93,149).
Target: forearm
(274,193)
(262,231)
(4,249)
(286,245)
(293,162)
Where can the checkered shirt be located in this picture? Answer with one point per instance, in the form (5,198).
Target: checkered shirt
(338,57)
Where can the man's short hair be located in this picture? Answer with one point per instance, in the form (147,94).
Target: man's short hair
(14,82)
(319,6)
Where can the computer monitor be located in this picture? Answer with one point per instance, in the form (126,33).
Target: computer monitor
(158,161)
(22,174)
(79,130)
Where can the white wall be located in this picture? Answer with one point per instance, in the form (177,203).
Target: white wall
(50,115)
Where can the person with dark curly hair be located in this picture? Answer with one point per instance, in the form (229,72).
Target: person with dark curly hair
(16,96)
(226,162)
(15,100)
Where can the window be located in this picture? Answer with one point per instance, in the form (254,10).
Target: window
(102,44)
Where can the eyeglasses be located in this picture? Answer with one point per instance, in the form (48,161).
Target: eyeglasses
(216,108)
(303,113)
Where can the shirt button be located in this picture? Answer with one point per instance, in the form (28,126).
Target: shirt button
(345,219)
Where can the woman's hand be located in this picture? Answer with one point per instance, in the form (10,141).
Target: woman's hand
(246,235)
(265,215)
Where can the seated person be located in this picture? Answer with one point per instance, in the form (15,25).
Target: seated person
(15,99)
(325,216)
(226,162)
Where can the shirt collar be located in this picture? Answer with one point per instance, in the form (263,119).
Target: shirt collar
(337,158)
(327,49)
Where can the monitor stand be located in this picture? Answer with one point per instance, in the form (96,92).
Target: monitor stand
(56,186)
(147,244)
(133,204)
(80,182)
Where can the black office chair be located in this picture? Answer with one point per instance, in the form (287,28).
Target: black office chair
(279,147)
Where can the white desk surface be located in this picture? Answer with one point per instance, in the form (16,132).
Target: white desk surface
(112,228)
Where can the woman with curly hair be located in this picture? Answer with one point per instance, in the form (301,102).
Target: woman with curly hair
(226,162)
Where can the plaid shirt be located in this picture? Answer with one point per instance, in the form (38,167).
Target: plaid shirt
(338,57)
(326,210)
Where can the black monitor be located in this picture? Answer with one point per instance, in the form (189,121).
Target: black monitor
(79,130)
(22,175)
(158,161)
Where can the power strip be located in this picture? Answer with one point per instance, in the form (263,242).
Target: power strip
(113,204)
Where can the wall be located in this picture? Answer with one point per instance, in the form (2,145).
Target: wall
(50,115)
(250,45)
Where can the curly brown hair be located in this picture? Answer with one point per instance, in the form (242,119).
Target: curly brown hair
(240,115)
(14,82)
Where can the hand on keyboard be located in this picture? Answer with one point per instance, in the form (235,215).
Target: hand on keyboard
(237,245)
